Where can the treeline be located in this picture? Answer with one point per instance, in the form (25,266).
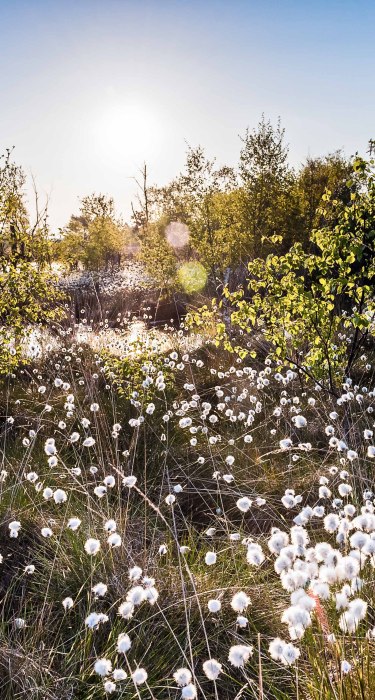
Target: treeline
(233,215)
(237,214)
(96,238)
(287,252)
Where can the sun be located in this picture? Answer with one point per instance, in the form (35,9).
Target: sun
(127,132)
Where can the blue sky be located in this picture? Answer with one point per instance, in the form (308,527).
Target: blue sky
(90,89)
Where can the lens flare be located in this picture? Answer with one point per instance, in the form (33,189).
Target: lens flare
(177,234)
(192,277)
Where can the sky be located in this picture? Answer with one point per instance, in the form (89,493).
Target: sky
(91,89)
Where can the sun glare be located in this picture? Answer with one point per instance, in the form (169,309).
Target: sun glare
(127,132)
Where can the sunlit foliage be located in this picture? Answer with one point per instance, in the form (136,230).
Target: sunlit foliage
(28,293)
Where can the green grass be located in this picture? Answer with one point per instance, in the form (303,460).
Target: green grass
(53,657)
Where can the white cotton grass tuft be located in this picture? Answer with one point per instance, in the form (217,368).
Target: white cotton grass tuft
(286,444)
(129,481)
(240,601)
(139,676)
(350,619)
(123,643)
(109,687)
(100,589)
(110,525)
(135,573)
(14,528)
(114,540)
(60,496)
(282,651)
(92,546)
(244,504)
(136,595)
(212,669)
(100,490)
(214,605)
(239,654)
(50,447)
(46,532)
(74,523)
(119,674)
(103,667)
(182,676)
(254,554)
(189,692)
(242,621)
(94,620)
(29,569)
(299,421)
(126,610)
(210,558)
(19,623)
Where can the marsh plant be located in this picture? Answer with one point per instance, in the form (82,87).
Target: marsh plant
(208,532)
(193,516)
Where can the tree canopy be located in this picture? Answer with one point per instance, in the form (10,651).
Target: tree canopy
(318,305)
(28,293)
(95,238)
(236,214)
